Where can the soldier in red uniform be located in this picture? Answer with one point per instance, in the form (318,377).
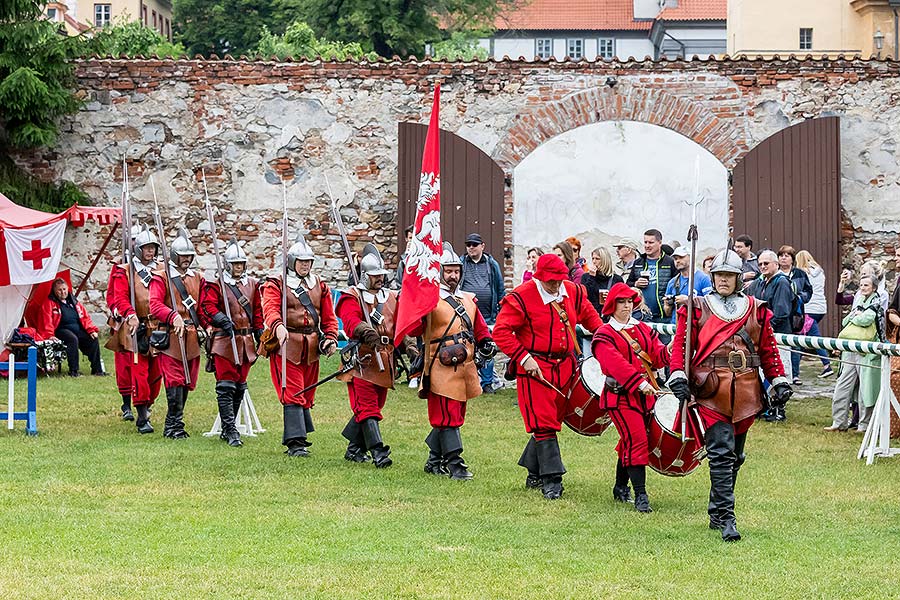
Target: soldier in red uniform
(536,329)
(453,332)
(310,329)
(731,339)
(628,352)
(139,381)
(179,319)
(244,326)
(123,358)
(368,382)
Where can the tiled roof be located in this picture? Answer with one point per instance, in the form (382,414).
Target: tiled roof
(696,10)
(574,15)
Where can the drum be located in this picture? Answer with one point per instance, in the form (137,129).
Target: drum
(669,454)
(583,412)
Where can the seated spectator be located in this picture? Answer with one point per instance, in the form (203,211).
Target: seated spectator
(64,318)
(567,254)
(677,289)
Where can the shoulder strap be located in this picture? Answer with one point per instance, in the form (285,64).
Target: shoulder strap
(186,300)
(569,327)
(645,358)
(303,296)
(242,300)
(460,311)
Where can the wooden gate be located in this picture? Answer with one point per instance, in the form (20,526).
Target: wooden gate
(471,189)
(787,190)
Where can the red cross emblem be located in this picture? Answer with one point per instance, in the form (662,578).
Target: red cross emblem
(36,255)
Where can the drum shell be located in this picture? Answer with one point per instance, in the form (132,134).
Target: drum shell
(668,454)
(583,413)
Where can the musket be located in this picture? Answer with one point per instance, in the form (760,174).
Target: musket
(220,273)
(692,238)
(128,255)
(171,290)
(284,283)
(349,361)
(339,223)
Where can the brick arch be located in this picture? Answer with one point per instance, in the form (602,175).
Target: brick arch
(687,116)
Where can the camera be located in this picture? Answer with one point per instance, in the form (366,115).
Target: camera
(669,298)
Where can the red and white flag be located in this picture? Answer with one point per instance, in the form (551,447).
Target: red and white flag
(421,279)
(32,255)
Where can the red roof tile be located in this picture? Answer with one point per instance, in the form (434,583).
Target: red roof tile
(696,10)
(574,15)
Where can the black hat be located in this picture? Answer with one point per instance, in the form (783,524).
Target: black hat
(474,238)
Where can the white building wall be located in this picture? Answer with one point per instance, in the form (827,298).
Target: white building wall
(590,48)
(638,48)
(697,33)
(514,48)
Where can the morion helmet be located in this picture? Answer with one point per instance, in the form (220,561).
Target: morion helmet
(449,258)
(727,261)
(143,238)
(299,250)
(234,254)
(181,246)
(370,264)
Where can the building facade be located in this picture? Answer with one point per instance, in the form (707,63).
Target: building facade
(78,16)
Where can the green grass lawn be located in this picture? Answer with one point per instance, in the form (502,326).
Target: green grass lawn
(91,509)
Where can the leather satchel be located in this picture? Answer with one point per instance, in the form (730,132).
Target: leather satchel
(704,382)
(453,355)
(159,339)
(268,344)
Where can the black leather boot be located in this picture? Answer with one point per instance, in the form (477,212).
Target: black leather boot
(621,491)
(550,467)
(356,450)
(294,430)
(225,399)
(308,423)
(435,463)
(381,454)
(529,461)
(638,476)
(238,398)
(451,445)
(127,415)
(143,419)
(720,451)
(175,400)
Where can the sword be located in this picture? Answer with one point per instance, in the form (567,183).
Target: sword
(220,273)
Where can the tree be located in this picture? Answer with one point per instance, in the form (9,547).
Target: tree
(299,41)
(460,46)
(401,27)
(36,74)
(230,26)
(132,39)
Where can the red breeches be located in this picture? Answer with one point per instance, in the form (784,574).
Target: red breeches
(147,380)
(445,412)
(366,399)
(298,377)
(228,371)
(123,361)
(632,427)
(711,417)
(541,407)
(173,371)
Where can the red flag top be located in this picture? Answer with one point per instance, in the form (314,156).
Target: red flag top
(419,294)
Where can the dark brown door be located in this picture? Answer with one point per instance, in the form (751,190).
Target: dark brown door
(787,190)
(471,189)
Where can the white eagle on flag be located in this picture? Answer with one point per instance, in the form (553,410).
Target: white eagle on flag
(422,258)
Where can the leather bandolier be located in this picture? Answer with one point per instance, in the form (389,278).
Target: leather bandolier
(191,342)
(459,382)
(369,371)
(120,340)
(727,381)
(303,334)
(243,328)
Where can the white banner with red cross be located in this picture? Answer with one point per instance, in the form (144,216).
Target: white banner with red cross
(32,255)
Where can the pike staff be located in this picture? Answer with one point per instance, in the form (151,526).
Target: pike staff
(284,283)
(220,272)
(171,290)
(128,253)
(692,238)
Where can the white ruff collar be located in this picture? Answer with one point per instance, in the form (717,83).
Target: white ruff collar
(730,308)
(547,298)
(379,298)
(308,282)
(232,281)
(620,326)
(174,272)
(444,292)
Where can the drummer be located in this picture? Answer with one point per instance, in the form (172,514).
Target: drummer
(628,352)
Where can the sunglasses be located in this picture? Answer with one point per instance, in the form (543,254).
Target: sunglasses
(472,244)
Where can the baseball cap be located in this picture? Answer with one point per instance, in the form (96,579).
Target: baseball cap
(474,238)
(628,243)
(681,251)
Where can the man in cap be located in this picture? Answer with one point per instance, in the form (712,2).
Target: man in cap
(180,323)
(368,382)
(677,289)
(137,369)
(481,276)
(626,252)
(454,332)
(244,327)
(309,329)
(536,329)
(731,339)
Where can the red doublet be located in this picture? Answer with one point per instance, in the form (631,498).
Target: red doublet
(628,408)
(171,368)
(715,333)
(210,304)
(526,326)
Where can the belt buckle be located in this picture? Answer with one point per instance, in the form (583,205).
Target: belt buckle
(742,360)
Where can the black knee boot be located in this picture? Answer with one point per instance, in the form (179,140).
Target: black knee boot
(356,446)
(435,463)
(237,399)
(308,423)
(550,467)
(381,454)
(638,477)
(127,415)
(225,399)
(175,401)
(621,491)
(294,431)
(720,447)
(143,419)
(529,461)
(451,446)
